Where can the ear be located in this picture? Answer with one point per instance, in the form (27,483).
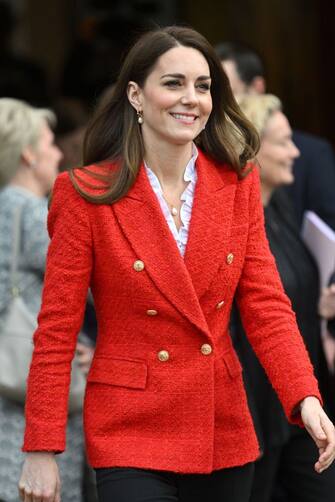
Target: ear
(28,156)
(134,94)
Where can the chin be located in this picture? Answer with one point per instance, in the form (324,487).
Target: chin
(189,131)
(182,140)
(289,179)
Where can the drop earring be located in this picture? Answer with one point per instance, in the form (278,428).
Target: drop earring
(139,116)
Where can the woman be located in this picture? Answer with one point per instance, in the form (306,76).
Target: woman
(289,452)
(165,409)
(28,168)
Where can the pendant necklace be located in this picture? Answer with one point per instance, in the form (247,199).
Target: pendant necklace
(173,210)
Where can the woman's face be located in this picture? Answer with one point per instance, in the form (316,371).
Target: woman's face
(175,99)
(277,152)
(47,158)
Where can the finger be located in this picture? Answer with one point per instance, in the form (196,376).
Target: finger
(327,454)
(329,431)
(57,493)
(318,427)
(325,461)
(21,490)
(28,495)
(321,467)
(317,467)
(326,458)
(323,464)
(326,466)
(317,434)
(48,497)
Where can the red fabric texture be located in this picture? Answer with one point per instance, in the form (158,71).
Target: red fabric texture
(189,413)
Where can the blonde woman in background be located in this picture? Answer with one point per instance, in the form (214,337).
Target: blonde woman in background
(285,471)
(28,167)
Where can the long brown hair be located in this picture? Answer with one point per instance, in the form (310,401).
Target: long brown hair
(114,134)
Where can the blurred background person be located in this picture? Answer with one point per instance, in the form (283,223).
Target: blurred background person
(72,117)
(28,167)
(313,187)
(285,471)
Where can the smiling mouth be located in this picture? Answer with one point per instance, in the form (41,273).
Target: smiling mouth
(189,119)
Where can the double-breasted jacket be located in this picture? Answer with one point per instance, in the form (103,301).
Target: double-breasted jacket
(165,389)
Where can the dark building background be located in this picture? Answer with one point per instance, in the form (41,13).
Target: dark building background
(79,43)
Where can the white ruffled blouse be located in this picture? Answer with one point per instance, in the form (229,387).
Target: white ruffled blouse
(190,176)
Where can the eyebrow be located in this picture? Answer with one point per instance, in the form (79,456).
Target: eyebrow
(180,75)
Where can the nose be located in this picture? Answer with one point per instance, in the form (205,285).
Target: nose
(189,96)
(59,153)
(295,152)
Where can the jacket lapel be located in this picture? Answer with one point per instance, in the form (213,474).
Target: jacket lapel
(143,224)
(211,222)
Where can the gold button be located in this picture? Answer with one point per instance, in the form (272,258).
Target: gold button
(206,349)
(230,258)
(152,312)
(163,355)
(220,305)
(138,265)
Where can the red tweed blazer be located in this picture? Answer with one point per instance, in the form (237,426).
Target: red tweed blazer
(165,389)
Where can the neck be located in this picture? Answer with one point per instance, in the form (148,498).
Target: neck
(27,181)
(168,162)
(266,193)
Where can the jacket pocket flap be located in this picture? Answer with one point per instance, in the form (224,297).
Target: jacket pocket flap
(121,372)
(232,363)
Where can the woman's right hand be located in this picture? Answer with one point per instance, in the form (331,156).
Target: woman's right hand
(39,480)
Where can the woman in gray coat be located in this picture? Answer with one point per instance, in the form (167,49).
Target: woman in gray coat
(28,167)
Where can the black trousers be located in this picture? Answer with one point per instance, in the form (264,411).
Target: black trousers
(118,484)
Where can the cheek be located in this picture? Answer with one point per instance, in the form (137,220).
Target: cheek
(157,101)
(269,168)
(207,105)
(49,160)
(269,162)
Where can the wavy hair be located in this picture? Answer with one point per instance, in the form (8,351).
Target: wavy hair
(114,134)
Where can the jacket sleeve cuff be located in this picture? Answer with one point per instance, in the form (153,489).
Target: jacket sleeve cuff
(49,439)
(293,410)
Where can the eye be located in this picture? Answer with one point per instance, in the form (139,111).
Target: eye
(172,83)
(204,87)
(283,142)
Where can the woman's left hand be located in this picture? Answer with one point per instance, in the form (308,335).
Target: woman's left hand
(321,430)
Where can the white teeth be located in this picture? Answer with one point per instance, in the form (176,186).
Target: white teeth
(187,118)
